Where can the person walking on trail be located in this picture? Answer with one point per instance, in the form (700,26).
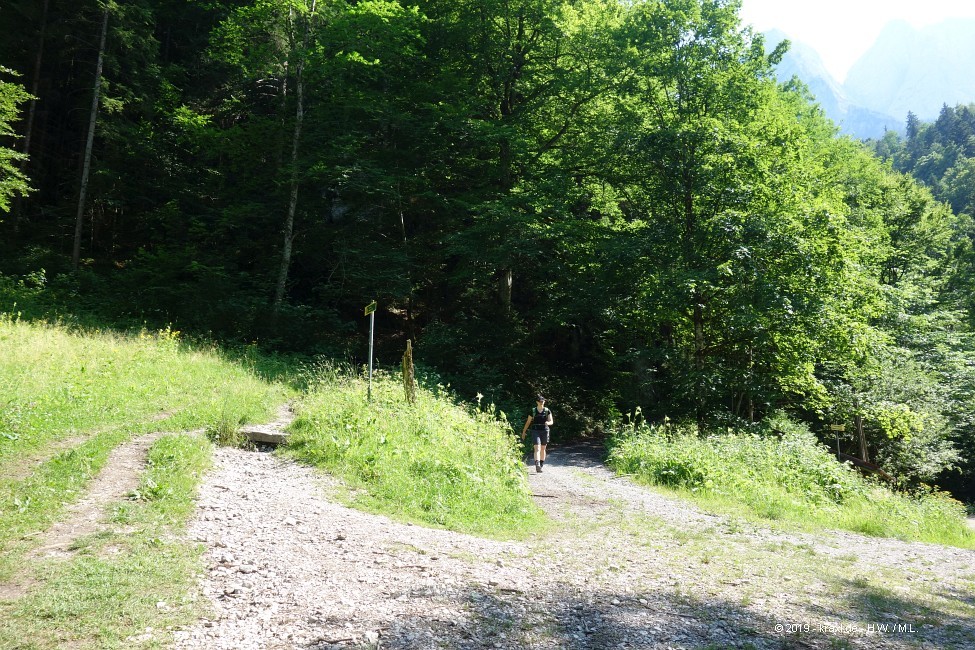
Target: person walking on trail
(540,419)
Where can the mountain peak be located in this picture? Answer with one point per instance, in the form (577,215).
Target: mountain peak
(804,62)
(908,69)
(916,69)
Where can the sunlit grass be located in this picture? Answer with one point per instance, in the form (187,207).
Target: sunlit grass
(793,479)
(57,383)
(434,462)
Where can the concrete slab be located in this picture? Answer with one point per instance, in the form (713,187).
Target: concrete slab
(266,434)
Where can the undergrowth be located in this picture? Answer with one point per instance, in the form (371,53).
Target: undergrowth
(784,477)
(434,461)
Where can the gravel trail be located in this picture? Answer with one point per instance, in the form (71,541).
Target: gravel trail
(622,567)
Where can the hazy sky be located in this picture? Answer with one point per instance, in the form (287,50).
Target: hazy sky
(842,30)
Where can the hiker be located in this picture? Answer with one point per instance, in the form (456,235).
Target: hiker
(540,419)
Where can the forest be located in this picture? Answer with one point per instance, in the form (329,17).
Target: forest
(614,203)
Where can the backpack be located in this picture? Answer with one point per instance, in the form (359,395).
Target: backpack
(539,419)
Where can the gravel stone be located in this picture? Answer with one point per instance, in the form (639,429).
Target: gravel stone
(623,567)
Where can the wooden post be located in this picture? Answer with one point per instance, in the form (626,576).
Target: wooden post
(372,330)
(370,311)
(858,423)
(409,381)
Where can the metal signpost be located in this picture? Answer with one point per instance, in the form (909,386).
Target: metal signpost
(371,313)
(837,428)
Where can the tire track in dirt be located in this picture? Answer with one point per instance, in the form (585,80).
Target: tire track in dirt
(17,469)
(118,478)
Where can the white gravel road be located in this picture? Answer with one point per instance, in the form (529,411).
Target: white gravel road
(287,566)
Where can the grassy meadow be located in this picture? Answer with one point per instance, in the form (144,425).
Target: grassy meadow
(433,462)
(67,399)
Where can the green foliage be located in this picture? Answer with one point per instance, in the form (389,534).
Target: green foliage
(941,156)
(739,264)
(787,475)
(12,178)
(434,461)
(613,202)
(794,467)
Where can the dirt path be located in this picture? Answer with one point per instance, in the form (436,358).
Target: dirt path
(118,478)
(624,567)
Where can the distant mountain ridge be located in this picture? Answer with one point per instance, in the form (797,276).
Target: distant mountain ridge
(916,70)
(906,69)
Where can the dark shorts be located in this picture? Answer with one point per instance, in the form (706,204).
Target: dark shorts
(539,436)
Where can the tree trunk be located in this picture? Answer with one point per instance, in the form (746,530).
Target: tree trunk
(505,283)
(32,106)
(699,344)
(410,324)
(36,81)
(751,378)
(289,222)
(86,164)
(697,310)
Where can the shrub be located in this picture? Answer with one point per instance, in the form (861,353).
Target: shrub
(783,472)
(435,461)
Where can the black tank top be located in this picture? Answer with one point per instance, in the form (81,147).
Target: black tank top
(540,420)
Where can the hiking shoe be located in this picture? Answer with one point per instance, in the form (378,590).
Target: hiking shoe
(538,468)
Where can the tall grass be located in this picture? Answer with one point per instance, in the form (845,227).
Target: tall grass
(434,461)
(790,477)
(57,383)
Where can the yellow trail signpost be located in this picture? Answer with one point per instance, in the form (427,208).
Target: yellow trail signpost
(370,311)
